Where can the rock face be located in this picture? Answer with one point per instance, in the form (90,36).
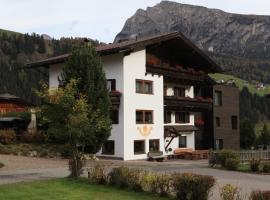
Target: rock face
(239,43)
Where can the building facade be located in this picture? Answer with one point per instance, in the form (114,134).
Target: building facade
(153,83)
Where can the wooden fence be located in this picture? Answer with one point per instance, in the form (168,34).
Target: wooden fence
(248,155)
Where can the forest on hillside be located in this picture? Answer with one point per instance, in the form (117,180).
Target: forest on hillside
(18,49)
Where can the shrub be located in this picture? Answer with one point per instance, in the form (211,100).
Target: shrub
(260,195)
(254,165)
(160,184)
(223,155)
(7,136)
(232,163)
(97,175)
(230,192)
(33,137)
(192,186)
(1,165)
(124,177)
(266,167)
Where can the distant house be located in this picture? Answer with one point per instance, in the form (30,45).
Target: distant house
(162,97)
(12,104)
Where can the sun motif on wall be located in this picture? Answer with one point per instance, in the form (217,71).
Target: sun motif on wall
(145,130)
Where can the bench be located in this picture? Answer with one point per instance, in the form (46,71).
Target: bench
(190,154)
(156,156)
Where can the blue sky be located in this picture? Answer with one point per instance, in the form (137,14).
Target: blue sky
(97,19)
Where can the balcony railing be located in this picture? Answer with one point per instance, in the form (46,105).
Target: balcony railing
(115,99)
(173,103)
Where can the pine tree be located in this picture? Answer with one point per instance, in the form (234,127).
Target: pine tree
(85,66)
(264,138)
(247,134)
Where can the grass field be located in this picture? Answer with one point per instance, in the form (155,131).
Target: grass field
(241,83)
(65,189)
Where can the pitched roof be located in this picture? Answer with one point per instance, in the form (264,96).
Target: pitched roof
(131,44)
(13,98)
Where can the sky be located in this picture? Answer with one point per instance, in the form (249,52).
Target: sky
(96,19)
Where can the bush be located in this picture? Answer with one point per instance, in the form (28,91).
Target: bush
(160,184)
(97,175)
(33,137)
(230,192)
(7,136)
(224,155)
(1,165)
(124,177)
(260,195)
(266,167)
(254,165)
(232,163)
(192,186)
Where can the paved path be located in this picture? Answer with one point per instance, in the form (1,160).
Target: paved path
(18,168)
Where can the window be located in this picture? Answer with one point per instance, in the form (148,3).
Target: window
(182,141)
(217,121)
(154,145)
(139,147)
(182,117)
(111,84)
(115,116)
(165,90)
(234,122)
(219,144)
(218,98)
(167,117)
(179,92)
(144,116)
(108,147)
(144,87)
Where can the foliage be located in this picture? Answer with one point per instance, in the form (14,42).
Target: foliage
(7,136)
(232,163)
(98,175)
(266,167)
(255,165)
(224,155)
(192,187)
(230,192)
(260,195)
(247,134)
(85,66)
(162,184)
(264,138)
(33,137)
(124,177)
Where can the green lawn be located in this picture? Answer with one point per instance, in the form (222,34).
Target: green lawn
(241,83)
(65,189)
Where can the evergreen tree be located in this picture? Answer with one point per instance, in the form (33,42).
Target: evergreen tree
(264,138)
(85,66)
(247,134)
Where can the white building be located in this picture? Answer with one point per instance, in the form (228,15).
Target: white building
(152,82)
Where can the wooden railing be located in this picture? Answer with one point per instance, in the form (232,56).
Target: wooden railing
(247,155)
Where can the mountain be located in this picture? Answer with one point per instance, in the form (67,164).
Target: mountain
(239,43)
(16,50)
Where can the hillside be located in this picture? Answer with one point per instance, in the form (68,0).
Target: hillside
(253,87)
(239,43)
(18,49)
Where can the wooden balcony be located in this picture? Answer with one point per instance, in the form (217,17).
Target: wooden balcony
(182,76)
(172,103)
(115,99)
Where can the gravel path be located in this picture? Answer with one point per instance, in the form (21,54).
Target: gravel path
(19,168)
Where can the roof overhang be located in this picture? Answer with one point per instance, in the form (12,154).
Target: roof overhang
(144,42)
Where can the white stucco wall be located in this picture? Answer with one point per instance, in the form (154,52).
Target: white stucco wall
(135,68)
(55,72)
(113,68)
